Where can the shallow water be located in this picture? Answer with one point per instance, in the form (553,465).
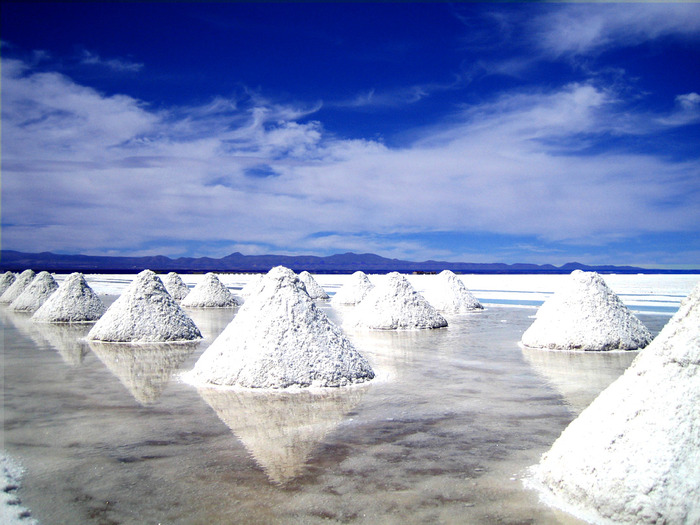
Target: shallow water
(443,435)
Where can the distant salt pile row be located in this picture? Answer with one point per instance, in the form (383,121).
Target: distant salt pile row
(633,455)
(449,294)
(5,281)
(17,287)
(395,305)
(73,302)
(280,338)
(586,315)
(210,293)
(354,290)
(313,289)
(175,286)
(35,294)
(146,313)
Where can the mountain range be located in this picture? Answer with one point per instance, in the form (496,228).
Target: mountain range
(237,262)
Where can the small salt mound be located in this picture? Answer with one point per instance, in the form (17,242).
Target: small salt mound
(280,338)
(354,290)
(146,313)
(73,302)
(633,455)
(6,281)
(17,287)
(36,294)
(586,315)
(312,287)
(447,293)
(210,293)
(395,305)
(175,286)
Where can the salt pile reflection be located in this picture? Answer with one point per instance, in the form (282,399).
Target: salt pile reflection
(282,429)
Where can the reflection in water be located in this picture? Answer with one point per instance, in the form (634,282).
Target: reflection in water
(282,429)
(211,321)
(578,376)
(66,338)
(144,369)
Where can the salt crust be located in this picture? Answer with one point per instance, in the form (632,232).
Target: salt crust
(395,305)
(11,511)
(17,287)
(35,294)
(281,339)
(73,302)
(354,290)
(448,294)
(312,287)
(6,281)
(210,293)
(146,313)
(175,286)
(632,456)
(585,315)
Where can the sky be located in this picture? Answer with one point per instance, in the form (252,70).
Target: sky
(495,132)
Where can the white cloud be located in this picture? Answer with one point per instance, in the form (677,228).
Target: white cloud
(115,64)
(92,173)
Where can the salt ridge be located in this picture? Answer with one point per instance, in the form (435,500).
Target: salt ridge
(73,302)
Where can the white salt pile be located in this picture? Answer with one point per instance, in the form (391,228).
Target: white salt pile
(6,281)
(280,338)
(73,302)
(354,290)
(36,294)
(282,429)
(447,293)
(312,287)
(11,510)
(145,312)
(633,456)
(253,286)
(175,286)
(395,305)
(586,315)
(210,293)
(17,287)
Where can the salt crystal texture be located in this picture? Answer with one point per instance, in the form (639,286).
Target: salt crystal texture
(12,512)
(146,313)
(354,290)
(210,293)
(395,305)
(36,294)
(17,287)
(6,281)
(73,302)
(279,339)
(633,456)
(586,315)
(447,293)
(175,286)
(312,287)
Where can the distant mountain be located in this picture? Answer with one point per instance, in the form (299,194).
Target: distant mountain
(237,262)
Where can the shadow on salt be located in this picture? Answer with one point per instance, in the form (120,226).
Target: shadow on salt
(282,429)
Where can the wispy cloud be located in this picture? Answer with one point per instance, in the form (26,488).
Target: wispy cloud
(115,64)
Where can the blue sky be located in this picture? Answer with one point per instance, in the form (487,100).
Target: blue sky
(513,132)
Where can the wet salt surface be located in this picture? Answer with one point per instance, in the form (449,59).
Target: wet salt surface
(443,435)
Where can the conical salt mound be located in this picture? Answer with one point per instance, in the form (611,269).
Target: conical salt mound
(146,313)
(354,290)
(395,305)
(17,287)
(448,294)
(145,370)
(36,294)
(280,338)
(210,293)
(586,315)
(6,281)
(253,285)
(312,287)
(282,429)
(175,286)
(633,455)
(73,302)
